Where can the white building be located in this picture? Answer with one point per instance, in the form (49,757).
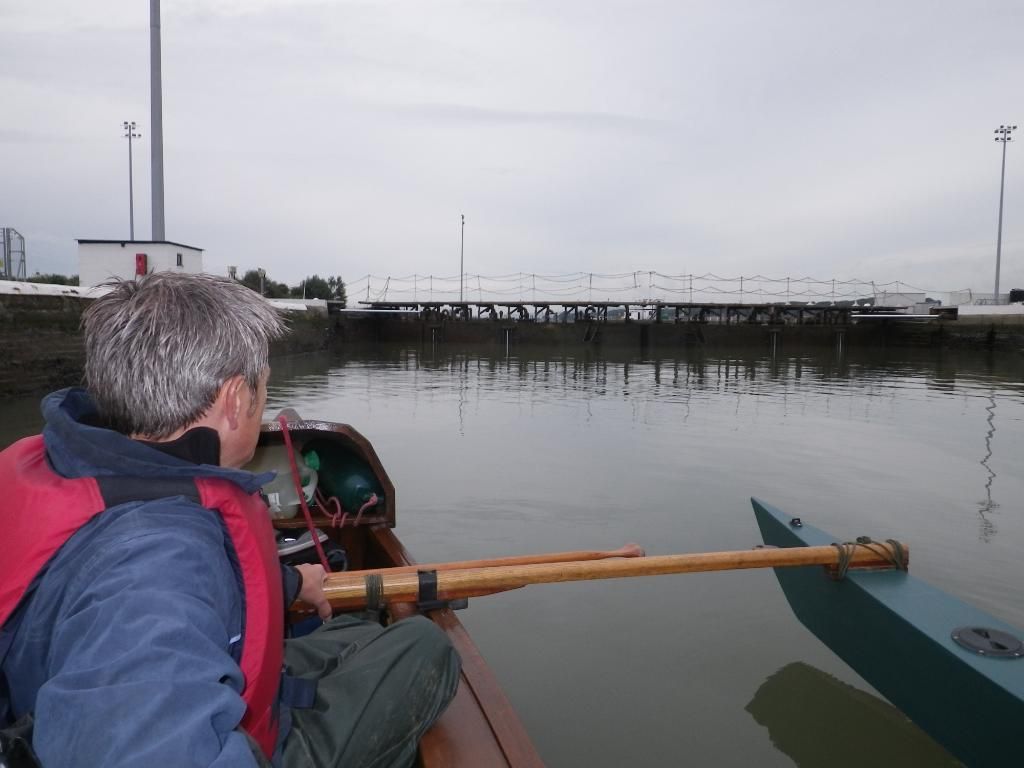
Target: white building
(898,298)
(100,260)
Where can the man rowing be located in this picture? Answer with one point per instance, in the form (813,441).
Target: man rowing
(142,603)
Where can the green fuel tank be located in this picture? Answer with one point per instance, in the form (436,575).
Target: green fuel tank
(343,474)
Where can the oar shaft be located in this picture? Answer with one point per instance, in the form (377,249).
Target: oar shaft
(629,550)
(346,590)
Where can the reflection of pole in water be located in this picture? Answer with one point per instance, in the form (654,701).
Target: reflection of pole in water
(463,386)
(987,527)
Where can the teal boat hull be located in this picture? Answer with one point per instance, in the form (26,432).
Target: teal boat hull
(896,632)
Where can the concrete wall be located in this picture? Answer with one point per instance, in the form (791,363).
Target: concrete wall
(1002,333)
(102,260)
(41,344)
(582,335)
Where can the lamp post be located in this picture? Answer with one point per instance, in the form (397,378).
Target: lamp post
(129,133)
(462,253)
(1002,136)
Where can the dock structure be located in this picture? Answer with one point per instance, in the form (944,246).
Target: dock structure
(799,313)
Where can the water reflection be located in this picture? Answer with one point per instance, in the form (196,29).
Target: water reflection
(988,528)
(817,720)
(873,413)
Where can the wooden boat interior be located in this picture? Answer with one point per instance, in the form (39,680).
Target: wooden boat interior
(480,727)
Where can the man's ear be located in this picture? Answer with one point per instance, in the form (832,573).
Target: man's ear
(231,397)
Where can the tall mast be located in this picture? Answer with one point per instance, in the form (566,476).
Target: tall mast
(157,121)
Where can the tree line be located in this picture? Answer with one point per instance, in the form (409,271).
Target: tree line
(53,279)
(313,287)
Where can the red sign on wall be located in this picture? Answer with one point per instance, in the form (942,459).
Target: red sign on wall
(140,264)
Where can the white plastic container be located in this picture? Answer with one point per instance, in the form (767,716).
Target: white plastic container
(280,492)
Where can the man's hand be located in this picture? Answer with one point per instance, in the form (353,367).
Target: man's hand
(312,592)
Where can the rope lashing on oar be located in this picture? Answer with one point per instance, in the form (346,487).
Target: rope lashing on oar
(897,558)
(374,591)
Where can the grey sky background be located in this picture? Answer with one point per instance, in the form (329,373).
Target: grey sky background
(830,139)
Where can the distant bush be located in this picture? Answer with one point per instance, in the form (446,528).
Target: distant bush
(338,292)
(316,287)
(313,287)
(271,288)
(54,280)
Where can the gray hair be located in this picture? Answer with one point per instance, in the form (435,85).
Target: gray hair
(158,349)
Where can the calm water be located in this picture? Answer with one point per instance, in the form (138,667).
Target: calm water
(540,451)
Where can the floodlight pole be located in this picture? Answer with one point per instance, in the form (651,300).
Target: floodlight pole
(462,253)
(1002,136)
(156,111)
(129,133)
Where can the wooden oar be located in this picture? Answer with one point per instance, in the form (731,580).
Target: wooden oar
(348,590)
(630,550)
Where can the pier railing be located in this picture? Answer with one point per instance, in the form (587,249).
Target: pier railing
(644,286)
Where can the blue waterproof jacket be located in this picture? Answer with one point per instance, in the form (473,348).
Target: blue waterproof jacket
(127,650)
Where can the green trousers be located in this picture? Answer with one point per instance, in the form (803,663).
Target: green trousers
(378,690)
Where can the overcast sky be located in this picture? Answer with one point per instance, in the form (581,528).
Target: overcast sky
(831,139)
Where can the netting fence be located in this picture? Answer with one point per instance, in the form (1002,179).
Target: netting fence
(643,286)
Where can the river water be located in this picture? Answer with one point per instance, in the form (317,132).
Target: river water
(541,450)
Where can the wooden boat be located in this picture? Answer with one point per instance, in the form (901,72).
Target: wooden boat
(480,727)
(953,669)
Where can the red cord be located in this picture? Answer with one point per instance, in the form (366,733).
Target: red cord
(369,503)
(339,516)
(332,501)
(283,421)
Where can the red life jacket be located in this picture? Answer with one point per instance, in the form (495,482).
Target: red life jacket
(42,510)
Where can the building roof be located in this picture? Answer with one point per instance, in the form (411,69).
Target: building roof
(140,242)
